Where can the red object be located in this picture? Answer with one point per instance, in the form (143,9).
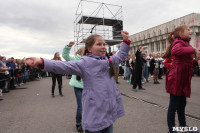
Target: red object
(42,65)
(179,74)
(17,75)
(168,62)
(127,42)
(192,21)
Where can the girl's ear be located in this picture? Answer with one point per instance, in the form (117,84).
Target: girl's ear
(89,49)
(180,33)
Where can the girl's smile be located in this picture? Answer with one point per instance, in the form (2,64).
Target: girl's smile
(99,47)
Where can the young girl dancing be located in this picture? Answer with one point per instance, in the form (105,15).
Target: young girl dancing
(179,74)
(101,99)
(76,82)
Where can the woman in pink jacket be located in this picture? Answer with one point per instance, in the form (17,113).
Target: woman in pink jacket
(179,74)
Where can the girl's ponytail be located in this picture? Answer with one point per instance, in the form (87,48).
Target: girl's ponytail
(85,53)
(111,71)
(168,50)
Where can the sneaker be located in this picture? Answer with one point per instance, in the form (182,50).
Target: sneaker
(79,128)
(134,89)
(141,88)
(128,81)
(52,95)
(61,95)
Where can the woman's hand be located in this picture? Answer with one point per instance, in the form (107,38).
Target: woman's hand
(33,61)
(125,35)
(71,44)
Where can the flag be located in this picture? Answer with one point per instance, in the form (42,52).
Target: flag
(192,21)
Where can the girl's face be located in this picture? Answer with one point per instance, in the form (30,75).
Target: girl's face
(57,54)
(99,47)
(186,33)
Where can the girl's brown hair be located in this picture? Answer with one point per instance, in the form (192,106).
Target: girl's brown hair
(56,58)
(171,37)
(89,42)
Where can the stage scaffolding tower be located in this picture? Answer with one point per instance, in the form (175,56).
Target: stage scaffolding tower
(98,18)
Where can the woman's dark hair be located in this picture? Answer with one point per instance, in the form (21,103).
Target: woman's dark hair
(171,37)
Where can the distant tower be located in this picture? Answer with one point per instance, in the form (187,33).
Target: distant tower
(98,18)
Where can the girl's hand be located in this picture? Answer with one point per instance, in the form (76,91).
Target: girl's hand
(71,44)
(125,35)
(33,61)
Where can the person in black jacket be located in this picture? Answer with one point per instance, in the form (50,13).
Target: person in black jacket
(138,69)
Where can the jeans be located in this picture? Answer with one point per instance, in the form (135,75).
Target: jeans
(146,73)
(27,73)
(177,103)
(128,73)
(78,94)
(106,130)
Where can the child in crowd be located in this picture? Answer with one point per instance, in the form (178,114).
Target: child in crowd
(179,74)
(101,99)
(76,82)
(56,76)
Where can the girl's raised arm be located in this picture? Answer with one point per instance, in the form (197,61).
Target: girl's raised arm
(124,48)
(66,51)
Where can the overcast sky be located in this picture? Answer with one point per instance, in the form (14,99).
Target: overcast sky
(42,27)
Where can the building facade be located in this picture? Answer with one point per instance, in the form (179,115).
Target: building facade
(154,40)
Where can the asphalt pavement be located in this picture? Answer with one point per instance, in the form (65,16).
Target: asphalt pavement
(31,109)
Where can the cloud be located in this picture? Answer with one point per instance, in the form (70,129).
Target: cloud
(35,27)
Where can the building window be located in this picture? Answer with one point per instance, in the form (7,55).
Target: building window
(158,46)
(139,38)
(159,32)
(166,30)
(152,47)
(163,45)
(173,27)
(149,35)
(135,39)
(182,22)
(154,33)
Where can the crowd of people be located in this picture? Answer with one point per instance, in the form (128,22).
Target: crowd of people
(95,77)
(154,65)
(15,72)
